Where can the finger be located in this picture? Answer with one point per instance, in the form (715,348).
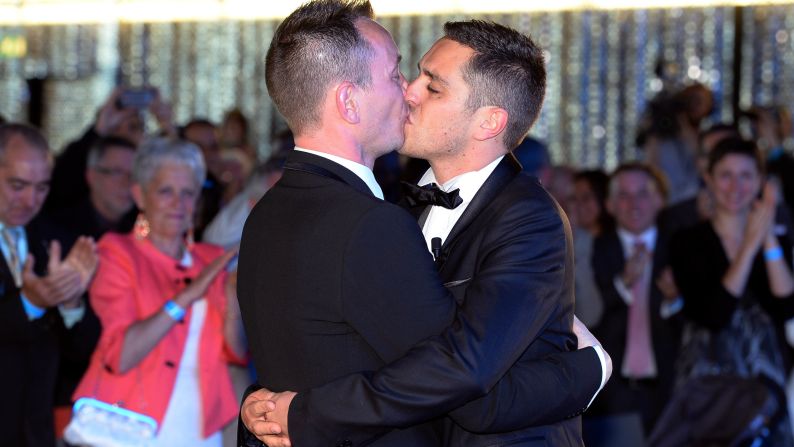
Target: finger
(126,113)
(66,287)
(275,441)
(258,409)
(83,253)
(55,256)
(265,428)
(215,267)
(767,196)
(111,101)
(27,269)
(261,394)
(62,278)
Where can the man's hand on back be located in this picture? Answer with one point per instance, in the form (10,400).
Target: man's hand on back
(265,414)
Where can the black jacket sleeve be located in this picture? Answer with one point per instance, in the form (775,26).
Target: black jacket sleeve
(507,306)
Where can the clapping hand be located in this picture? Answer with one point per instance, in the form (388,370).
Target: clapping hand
(198,286)
(66,280)
(635,265)
(761,221)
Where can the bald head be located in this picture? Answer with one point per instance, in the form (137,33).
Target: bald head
(22,134)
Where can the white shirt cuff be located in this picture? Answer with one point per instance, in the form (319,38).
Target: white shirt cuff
(669,308)
(601,358)
(72,316)
(623,291)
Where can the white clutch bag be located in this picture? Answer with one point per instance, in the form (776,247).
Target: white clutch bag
(99,424)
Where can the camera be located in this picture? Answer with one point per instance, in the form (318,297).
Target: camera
(137,98)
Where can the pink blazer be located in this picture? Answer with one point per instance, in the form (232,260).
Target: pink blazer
(132,282)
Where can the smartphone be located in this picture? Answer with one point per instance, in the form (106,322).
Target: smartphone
(136,98)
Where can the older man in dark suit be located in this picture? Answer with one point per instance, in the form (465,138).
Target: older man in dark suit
(354,285)
(39,297)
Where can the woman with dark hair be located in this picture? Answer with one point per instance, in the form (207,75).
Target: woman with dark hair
(590,219)
(735,276)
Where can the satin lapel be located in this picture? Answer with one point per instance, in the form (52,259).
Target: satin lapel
(505,172)
(345,174)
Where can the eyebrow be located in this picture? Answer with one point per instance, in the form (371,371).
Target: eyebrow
(26,182)
(432,76)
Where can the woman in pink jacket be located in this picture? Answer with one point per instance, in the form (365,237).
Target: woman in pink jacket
(168,309)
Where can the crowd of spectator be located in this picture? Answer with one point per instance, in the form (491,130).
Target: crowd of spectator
(683,270)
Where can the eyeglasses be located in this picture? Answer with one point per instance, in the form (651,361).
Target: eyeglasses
(114,173)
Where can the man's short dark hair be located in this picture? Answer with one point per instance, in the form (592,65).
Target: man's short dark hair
(30,134)
(656,176)
(315,46)
(508,71)
(101,146)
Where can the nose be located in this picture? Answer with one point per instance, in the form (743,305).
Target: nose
(29,197)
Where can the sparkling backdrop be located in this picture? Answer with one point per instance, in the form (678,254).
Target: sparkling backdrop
(603,66)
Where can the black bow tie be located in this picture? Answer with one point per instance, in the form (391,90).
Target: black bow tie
(430,194)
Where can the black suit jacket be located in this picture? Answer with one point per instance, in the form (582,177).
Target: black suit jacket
(509,262)
(440,374)
(332,280)
(622,395)
(29,353)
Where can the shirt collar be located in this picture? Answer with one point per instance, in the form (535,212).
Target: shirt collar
(361,171)
(627,240)
(16,230)
(468,182)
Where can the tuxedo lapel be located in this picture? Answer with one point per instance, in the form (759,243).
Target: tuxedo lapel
(339,172)
(505,171)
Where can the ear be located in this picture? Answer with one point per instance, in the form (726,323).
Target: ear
(137,195)
(346,101)
(491,122)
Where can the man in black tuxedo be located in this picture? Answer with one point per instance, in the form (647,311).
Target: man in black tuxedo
(354,286)
(40,296)
(641,326)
